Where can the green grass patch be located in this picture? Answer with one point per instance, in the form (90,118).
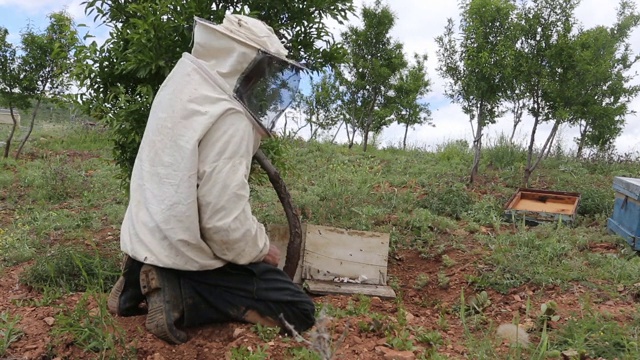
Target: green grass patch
(93,329)
(73,269)
(598,337)
(9,331)
(551,255)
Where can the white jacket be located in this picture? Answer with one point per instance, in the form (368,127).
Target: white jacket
(189,194)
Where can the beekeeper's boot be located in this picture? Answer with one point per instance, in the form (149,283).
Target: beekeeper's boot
(164,299)
(125,297)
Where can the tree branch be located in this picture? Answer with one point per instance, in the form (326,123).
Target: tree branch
(295,227)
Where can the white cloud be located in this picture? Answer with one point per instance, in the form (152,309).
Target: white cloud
(418,23)
(38,7)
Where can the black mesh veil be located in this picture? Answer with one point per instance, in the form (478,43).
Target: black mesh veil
(268,87)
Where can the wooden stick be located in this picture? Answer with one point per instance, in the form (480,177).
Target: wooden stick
(295,228)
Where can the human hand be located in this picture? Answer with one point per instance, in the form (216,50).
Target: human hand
(273,256)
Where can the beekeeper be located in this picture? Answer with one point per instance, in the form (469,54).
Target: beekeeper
(194,250)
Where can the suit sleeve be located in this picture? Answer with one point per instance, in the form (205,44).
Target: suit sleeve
(226,220)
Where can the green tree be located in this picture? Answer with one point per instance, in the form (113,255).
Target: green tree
(42,70)
(475,63)
(412,86)
(599,91)
(546,49)
(10,73)
(322,106)
(147,38)
(370,72)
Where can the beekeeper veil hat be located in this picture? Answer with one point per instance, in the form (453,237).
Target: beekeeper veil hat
(249,57)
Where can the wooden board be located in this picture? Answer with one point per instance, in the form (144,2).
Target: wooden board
(548,206)
(324,288)
(5,118)
(331,252)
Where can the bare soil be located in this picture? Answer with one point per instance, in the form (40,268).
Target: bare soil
(426,307)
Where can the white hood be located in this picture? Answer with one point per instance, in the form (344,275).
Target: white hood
(229,48)
(247,54)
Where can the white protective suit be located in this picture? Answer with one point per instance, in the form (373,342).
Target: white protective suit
(189,194)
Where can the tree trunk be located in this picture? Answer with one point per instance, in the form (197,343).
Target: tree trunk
(404,140)
(26,137)
(337,132)
(351,139)
(548,150)
(531,168)
(311,132)
(583,135)
(365,138)
(517,118)
(7,146)
(295,227)
(528,170)
(477,145)
(284,129)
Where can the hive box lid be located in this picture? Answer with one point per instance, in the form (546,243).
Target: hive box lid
(627,186)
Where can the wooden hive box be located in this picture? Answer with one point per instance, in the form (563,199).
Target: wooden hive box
(625,220)
(5,117)
(540,206)
(338,261)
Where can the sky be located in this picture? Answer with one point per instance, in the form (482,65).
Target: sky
(418,23)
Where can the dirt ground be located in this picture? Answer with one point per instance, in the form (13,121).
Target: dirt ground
(424,308)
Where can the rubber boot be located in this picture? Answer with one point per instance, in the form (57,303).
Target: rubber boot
(164,298)
(125,297)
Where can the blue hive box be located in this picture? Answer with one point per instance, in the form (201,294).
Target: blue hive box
(625,220)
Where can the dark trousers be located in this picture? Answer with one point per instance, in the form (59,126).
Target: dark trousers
(226,293)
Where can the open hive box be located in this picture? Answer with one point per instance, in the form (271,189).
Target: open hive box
(338,261)
(538,206)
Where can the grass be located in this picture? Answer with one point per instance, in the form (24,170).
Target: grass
(9,331)
(72,269)
(90,327)
(62,205)
(248,353)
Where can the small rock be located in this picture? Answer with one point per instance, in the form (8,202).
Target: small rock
(409,316)
(237,332)
(570,354)
(514,334)
(18,297)
(49,320)
(376,300)
(517,298)
(528,324)
(399,355)
(156,356)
